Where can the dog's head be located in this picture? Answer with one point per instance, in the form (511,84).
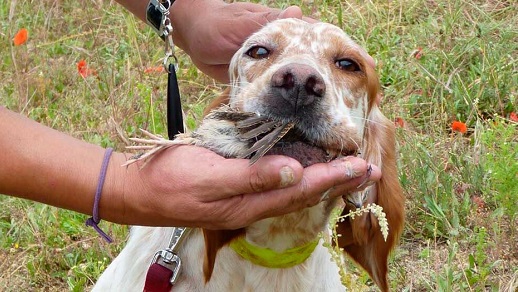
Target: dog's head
(311,74)
(317,77)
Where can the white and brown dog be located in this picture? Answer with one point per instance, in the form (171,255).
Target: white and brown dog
(310,86)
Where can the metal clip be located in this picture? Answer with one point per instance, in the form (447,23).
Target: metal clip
(168,257)
(169,52)
(170,260)
(167,32)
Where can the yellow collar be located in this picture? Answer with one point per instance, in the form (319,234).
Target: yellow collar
(271,259)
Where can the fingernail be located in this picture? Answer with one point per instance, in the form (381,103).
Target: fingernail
(351,170)
(366,182)
(287,176)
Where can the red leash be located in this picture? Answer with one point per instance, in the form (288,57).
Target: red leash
(157,279)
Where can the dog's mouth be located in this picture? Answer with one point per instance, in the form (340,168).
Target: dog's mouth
(273,137)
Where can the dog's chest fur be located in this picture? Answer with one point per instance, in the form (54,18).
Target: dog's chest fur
(231,272)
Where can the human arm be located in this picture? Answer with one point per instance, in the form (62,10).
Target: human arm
(183,186)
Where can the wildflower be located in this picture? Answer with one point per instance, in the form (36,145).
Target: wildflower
(378,213)
(83,69)
(21,37)
(399,122)
(457,126)
(81,65)
(479,202)
(514,117)
(382,218)
(417,53)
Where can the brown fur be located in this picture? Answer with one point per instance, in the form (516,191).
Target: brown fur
(361,238)
(218,101)
(214,240)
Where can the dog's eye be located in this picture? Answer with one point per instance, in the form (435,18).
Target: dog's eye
(347,65)
(258,52)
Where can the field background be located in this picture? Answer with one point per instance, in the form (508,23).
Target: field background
(439,61)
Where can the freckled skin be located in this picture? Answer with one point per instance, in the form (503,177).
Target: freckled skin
(334,121)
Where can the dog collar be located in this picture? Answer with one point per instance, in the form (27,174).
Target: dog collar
(271,259)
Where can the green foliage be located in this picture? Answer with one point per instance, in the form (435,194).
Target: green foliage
(500,142)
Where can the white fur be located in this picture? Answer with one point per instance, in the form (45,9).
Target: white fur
(231,273)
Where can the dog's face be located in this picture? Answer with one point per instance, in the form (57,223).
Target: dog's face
(310,74)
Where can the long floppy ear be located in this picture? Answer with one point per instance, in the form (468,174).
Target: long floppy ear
(362,238)
(224,98)
(214,240)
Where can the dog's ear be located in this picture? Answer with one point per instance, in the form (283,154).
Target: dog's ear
(223,99)
(362,238)
(214,241)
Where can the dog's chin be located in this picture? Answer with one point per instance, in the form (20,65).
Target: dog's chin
(303,152)
(307,153)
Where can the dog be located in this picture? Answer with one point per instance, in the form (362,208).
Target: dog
(306,91)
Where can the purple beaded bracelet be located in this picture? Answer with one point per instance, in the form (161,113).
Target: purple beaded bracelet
(94,220)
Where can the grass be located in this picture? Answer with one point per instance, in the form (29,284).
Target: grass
(438,61)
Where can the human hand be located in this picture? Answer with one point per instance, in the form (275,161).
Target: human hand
(192,186)
(216,31)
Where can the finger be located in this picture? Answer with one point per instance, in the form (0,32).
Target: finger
(358,184)
(347,173)
(290,12)
(231,177)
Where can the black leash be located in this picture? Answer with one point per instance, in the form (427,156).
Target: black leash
(174,105)
(157,15)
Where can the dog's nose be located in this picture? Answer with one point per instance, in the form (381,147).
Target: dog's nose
(299,84)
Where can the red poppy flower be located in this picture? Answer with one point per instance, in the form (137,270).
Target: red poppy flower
(399,122)
(457,126)
(418,53)
(21,37)
(514,117)
(83,69)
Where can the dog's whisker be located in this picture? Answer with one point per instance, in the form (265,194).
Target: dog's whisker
(371,121)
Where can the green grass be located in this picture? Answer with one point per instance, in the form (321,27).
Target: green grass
(462,189)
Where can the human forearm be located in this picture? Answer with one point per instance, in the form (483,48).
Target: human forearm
(41,164)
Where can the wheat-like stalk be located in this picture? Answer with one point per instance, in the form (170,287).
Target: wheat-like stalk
(376,210)
(152,145)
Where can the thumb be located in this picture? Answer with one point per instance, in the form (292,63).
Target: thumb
(290,12)
(237,176)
